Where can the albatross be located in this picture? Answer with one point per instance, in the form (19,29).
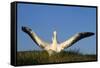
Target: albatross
(55,47)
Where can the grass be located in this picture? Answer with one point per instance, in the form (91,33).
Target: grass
(42,57)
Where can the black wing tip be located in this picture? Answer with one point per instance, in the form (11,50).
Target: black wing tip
(89,33)
(26,29)
(86,34)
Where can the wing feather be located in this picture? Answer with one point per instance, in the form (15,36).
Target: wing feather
(75,38)
(34,37)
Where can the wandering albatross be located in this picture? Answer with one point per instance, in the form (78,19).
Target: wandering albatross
(55,47)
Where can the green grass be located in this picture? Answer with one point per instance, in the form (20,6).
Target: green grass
(42,57)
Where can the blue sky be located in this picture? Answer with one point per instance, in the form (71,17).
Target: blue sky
(66,20)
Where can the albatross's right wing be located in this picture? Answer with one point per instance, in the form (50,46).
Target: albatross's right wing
(75,38)
(34,37)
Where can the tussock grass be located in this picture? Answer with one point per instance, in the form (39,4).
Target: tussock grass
(42,57)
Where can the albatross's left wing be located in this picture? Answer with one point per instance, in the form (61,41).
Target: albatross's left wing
(75,38)
(35,38)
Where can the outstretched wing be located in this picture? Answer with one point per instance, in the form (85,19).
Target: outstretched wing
(75,38)
(34,37)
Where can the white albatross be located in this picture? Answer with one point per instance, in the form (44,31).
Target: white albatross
(55,47)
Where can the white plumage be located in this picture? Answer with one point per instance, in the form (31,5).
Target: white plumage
(55,47)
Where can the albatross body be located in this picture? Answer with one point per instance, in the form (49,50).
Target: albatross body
(55,47)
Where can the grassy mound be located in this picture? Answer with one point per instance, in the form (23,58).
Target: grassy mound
(42,57)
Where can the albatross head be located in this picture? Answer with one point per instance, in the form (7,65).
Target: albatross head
(54,39)
(54,32)
(54,35)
